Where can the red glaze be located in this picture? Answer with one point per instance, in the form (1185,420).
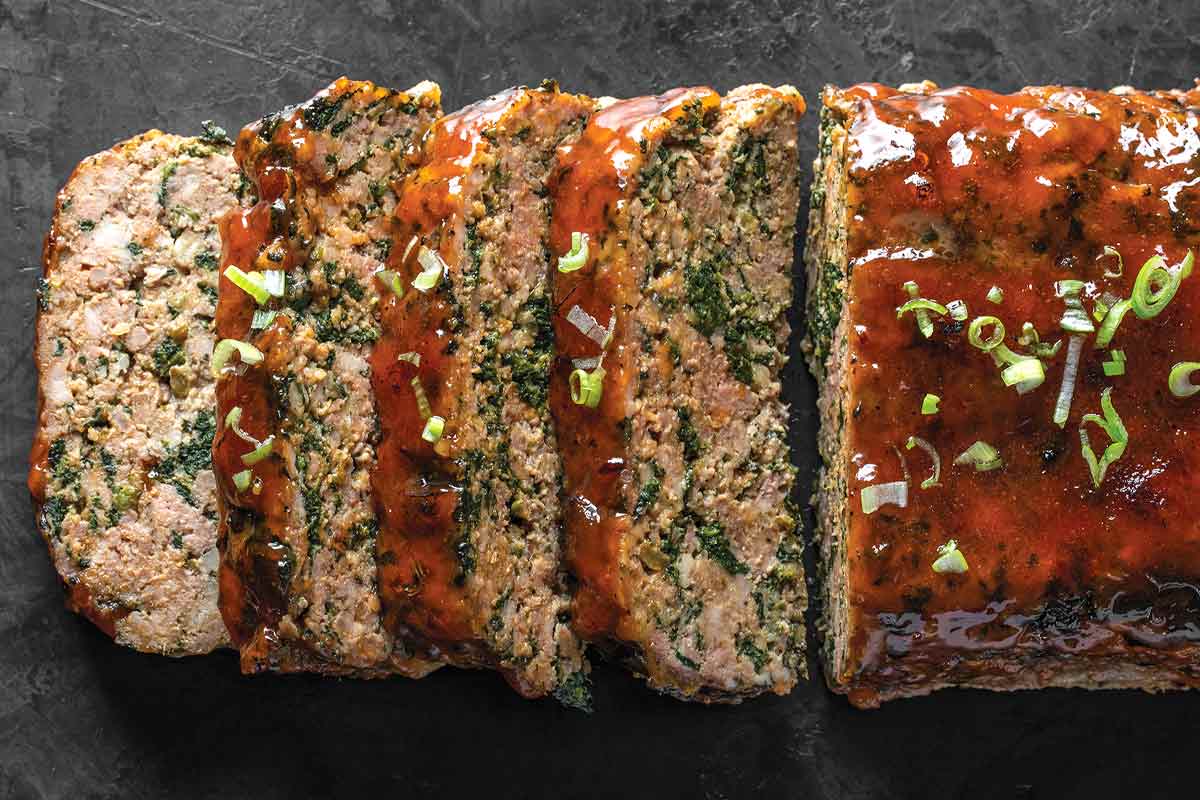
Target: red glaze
(961,190)
(256,563)
(414,482)
(590,186)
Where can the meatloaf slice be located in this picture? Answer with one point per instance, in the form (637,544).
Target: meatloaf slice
(121,473)
(1017,562)
(469,537)
(677,480)
(298,527)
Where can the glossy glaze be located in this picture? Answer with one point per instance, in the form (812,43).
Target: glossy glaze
(417,485)
(959,191)
(594,178)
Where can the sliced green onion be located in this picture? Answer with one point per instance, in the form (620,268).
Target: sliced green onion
(975,333)
(224,349)
(1075,318)
(1112,425)
(1111,321)
(1029,338)
(1116,363)
(241,480)
(391,279)
(411,357)
(931,451)
(1149,301)
(995,295)
(929,404)
(881,494)
(259,453)
(233,420)
(958,310)
(275,282)
(1062,407)
(422,400)
(433,429)
(982,455)
(263,318)
(248,283)
(432,269)
(1179,380)
(920,308)
(587,387)
(1112,251)
(1028,372)
(950,559)
(578,255)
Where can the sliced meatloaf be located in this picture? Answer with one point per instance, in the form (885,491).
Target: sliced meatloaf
(978,527)
(121,473)
(297,430)
(671,339)
(467,478)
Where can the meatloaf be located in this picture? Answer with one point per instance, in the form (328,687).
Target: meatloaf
(467,479)
(674,219)
(999,313)
(121,473)
(296,421)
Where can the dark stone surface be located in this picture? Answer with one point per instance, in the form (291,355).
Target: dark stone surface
(80,717)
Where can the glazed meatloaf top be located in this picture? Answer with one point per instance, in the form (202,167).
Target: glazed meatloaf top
(1056,544)
(296,423)
(467,479)
(121,472)
(679,212)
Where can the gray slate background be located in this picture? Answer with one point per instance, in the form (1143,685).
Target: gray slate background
(81,718)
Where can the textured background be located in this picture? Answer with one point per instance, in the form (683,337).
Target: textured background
(80,717)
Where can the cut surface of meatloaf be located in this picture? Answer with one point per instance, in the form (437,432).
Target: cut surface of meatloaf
(121,472)
(298,527)
(680,533)
(469,536)
(1069,555)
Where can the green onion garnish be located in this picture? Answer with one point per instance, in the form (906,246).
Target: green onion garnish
(263,317)
(1075,318)
(578,255)
(432,269)
(929,404)
(411,357)
(433,429)
(224,349)
(920,308)
(1062,407)
(587,387)
(881,494)
(422,400)
(391,279)
(1111,321)
(995,295)
(931,451)
(982,455)
(1156,285)
(1112,251)
(950,559)
(233,420)
(259,453)
(241,480)
(958,310)
(252,283)
(1029,338)
(1028,371)
(1179,380)
(1112,425)
(975,333)
(275,281)
(1116,363)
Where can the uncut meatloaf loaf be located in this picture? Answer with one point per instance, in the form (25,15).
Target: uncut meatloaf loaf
(1041,533)
(467,479)
(677,215)
(296,431)
(121,471)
